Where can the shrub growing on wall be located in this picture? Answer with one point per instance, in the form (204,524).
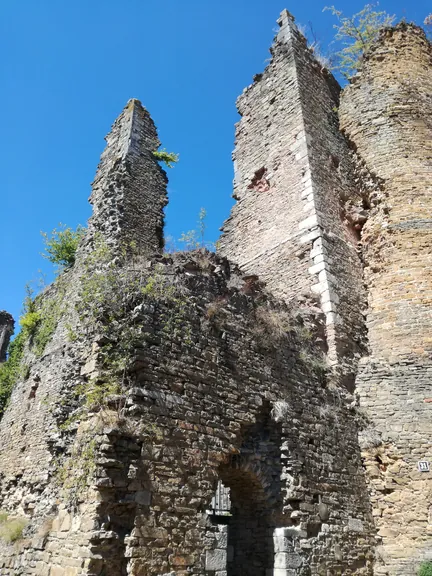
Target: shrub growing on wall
(61,245)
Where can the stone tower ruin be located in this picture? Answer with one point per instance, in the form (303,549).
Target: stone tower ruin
(394,138)
(129,190)
(293,172)
(187,414)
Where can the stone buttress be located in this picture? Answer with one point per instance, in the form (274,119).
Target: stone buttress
(386,112)
(293,175)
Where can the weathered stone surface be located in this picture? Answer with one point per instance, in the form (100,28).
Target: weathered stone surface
(386,113)
(129,190)
(221,388)
(292,232)
(6,330)
(204,405)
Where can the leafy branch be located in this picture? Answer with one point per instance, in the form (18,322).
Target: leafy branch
(61,245)
(169,158)
(357,33)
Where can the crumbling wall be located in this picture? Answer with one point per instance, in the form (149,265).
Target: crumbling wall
(129,190)
(6,330)
(293,176)
(223,398)
(385,112)
(157,379)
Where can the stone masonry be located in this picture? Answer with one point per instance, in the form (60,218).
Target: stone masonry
(225,384)
(394,137)
(293,174)
(130,186)
(180,419)
(368,192)
(6,331)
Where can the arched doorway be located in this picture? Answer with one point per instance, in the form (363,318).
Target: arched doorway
(245,508)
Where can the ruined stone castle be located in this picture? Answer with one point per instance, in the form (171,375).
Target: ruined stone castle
(262,411)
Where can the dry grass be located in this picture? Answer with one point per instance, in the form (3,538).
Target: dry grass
(216,308)
(11,529)
(272,324)
(369,438)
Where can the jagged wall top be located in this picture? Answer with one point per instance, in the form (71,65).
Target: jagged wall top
(394,137)
(129,190)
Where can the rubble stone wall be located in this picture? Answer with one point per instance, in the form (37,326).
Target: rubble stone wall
(394,137)
(386,112)
(224,382)
(215,401)
(129,190)
(6,330)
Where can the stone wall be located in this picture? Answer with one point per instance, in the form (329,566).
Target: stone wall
(386,112)
(394,138)
(221,398)
(222,383)
(293,176)
(187,377)
(129,190)
(6,330)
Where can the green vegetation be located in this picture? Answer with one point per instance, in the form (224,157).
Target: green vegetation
(357,34)
(61,245)
(195,239)
(110,289)
(38,322)
(425,569)
(76,473)
(30,318)
(50,311)
(29,322)
(41,315)
(11,529)
(170,158)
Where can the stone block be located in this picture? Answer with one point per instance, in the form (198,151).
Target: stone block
(216,560)
(143,497)
(355,525)
(287,560)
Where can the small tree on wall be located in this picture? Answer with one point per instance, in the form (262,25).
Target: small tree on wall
(357,33)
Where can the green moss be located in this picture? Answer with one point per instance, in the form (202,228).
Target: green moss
(425,569)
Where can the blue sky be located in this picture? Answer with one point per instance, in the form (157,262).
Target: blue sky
(68,69)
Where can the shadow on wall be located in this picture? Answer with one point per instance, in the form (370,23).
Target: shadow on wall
(248,502)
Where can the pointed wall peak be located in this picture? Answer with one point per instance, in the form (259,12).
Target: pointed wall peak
(129,190)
